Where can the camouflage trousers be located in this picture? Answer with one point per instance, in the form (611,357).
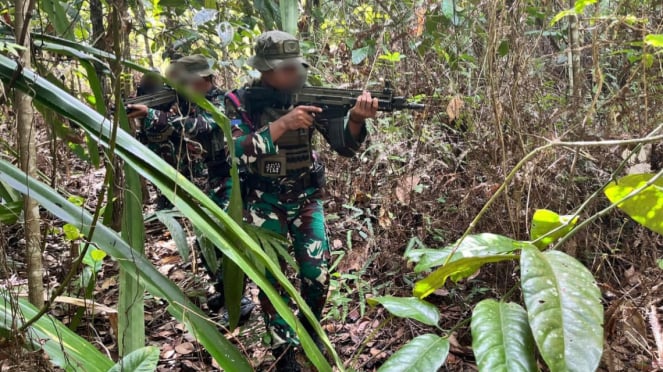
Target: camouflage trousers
(186,157)
(303,219)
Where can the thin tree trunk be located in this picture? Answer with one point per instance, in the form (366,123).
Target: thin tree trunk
(27,156)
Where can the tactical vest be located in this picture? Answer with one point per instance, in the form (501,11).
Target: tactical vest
(294,157)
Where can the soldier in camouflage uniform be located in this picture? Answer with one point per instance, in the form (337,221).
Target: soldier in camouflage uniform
(203,144)
(284,179)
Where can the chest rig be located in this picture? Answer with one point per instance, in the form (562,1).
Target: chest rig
(295,155)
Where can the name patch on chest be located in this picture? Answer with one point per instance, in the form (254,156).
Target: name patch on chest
(272,167)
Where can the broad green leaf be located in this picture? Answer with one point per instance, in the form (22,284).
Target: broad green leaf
(655,40)
(409,307)
(94,258)
(64,348)
(360,54)
(423,353)
(455,270)
(646,208)
(144,359)
(564,310)
(544,222)
(659,262)
(479,245)
(9,212)
(501,337)
(71,232)
(176,232)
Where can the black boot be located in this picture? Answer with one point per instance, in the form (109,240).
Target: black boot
(245,308)
(286,360)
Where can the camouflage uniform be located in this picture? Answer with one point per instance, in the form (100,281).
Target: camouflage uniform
(180,137)
(284,185)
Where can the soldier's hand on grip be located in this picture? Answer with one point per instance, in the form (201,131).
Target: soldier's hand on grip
(365,108)
(301,117)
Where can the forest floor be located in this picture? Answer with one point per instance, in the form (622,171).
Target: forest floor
(373,212)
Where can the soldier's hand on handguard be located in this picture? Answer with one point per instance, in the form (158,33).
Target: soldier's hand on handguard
(136,111)
(301,117)
(365,108)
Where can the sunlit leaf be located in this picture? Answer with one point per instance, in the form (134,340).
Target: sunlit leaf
(655,40)
(580,5)
(71,232)
(501,338)
(423,353)
(646,208)
(564,309)
(409,307)
(455,270)
(479,245)
(545,221)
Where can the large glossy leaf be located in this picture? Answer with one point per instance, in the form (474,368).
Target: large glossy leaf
(191,201)
(646,207)
(479,245)
(65,348)
(564,310)
(144,359)
(547,226)
(455,270)
(423,353)
(409,307)
(501,337)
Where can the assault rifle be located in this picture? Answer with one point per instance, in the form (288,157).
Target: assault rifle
(162,99)
(334,102)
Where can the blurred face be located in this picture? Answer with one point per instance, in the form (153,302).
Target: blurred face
(287,78)
(200,85)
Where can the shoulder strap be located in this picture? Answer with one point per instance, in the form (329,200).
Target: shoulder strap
(233,97)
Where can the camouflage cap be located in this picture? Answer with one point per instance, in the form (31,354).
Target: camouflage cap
(189,68)
(274,49)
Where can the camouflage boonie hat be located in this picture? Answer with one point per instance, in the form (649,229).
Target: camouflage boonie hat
(189,68)
(274,49)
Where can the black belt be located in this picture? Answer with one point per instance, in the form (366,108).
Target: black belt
(283,185)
